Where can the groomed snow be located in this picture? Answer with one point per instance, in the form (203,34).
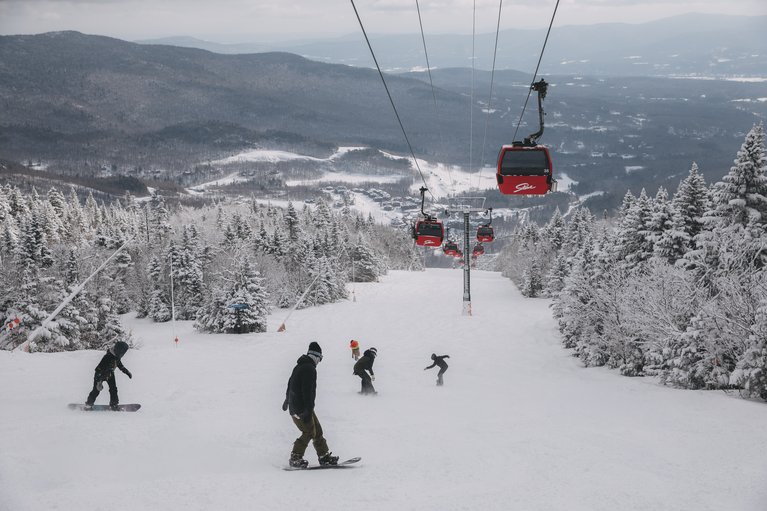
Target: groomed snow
(518,425)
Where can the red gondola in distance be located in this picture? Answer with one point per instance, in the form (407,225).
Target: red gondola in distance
(485,234)
(429,233)
(450,248)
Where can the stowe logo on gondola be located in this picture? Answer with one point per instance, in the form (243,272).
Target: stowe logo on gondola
(521,187)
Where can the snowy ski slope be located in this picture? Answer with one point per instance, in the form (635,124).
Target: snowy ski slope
(519,425)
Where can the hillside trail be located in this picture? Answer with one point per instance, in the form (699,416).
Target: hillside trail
(519,423)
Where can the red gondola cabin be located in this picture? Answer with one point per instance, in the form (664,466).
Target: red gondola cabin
(478,250)
(429,233)
(450,248)
(525,170)
(485,234)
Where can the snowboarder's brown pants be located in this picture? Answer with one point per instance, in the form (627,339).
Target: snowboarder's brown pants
(311,430)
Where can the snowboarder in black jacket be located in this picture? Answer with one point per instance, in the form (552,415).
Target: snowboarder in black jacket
(438,361)
(299,399)
(361,369)
(105,372)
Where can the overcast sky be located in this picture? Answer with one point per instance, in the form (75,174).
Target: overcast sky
(265,20)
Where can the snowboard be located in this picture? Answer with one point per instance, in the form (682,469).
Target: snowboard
(341,464)
(104,408)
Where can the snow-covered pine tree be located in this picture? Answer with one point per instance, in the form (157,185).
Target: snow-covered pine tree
(364,263)
(741,196)
(292,222)
(633,242)
(751,371)
(532,279)
(555,230)
(661,219)
(157,308)
(555,281)
(241,307)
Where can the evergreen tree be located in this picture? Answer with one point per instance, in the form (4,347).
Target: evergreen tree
(292,222)
(532,279)
(751,371)
(556,278)
(555,230)
(364,263)
(157,308)
(691,201)
(741,196)
(242,308)
(634,244)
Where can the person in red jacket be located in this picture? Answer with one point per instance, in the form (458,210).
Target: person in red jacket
(355,346)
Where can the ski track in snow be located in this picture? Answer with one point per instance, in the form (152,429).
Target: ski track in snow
(518,425)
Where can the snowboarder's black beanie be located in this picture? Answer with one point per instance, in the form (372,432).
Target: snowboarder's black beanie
(120,348)
(314,349)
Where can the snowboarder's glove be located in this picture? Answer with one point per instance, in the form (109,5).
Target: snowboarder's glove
(373,377)
(129,374)
(285,405)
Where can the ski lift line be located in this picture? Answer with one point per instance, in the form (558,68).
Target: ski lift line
(471,105)
(300,300)
(490,97)
(37,331)
(537,66)
(433,93)
(391,100)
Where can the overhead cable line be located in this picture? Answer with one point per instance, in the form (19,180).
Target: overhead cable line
(471,106)
(433,93)
(490,97)
(535,74)
(391,100)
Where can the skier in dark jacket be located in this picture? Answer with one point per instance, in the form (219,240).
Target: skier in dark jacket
(105,372)
(299,399)
(438,361)
(361,369)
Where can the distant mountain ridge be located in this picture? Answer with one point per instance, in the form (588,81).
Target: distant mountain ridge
(699,44)
(95,106)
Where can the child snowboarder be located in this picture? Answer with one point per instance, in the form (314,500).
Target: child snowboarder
(355,346)
(105,372)
(438,361)
(361,369)
(299,399)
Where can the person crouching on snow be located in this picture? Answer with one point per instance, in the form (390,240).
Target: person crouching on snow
(105,372)
(361,369)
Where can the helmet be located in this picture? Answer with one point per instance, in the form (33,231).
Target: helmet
(120,348)
(433,356)
(373,352)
